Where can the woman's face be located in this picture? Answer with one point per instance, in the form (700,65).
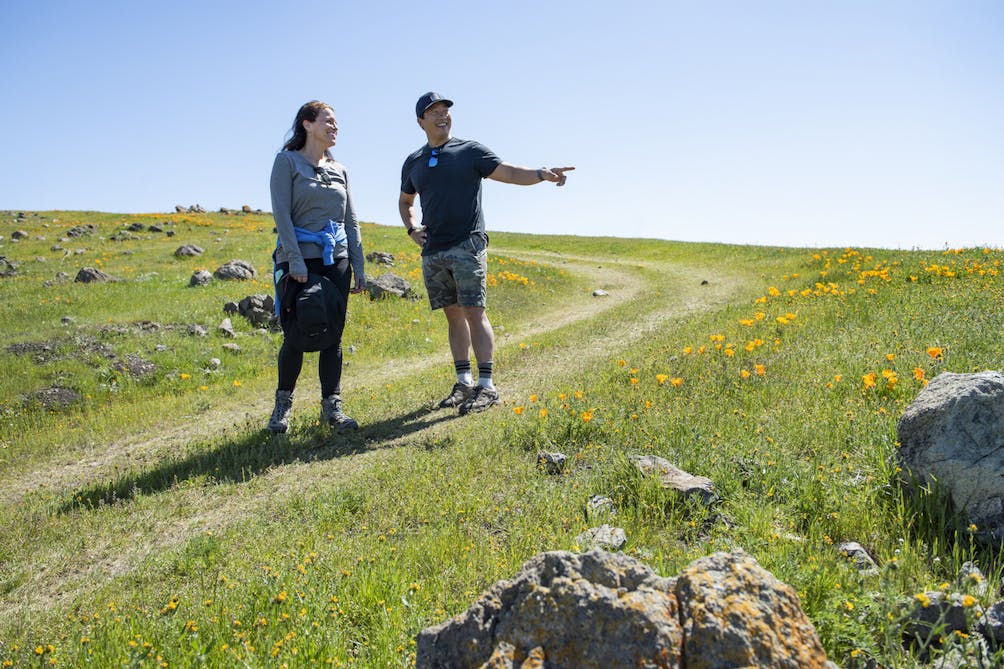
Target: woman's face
(323,129)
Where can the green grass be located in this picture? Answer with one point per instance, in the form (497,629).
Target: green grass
(153,521)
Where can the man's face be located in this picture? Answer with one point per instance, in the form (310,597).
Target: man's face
(436,122)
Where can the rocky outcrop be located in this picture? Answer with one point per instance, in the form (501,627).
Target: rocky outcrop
(259,310)
(737,614)
(605,537)
(672,477)
(92,275)
(81,230)
(188,250)
(953,434)
(236,270)
(858,556)
(7,268)
(381,258)
(226,328)
(55,397)
(596,610)
(388,284)
(599,610)
(551,462)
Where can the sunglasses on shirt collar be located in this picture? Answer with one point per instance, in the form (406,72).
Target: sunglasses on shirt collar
(434,158)
(322,174)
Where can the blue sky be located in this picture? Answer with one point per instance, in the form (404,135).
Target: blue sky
(843,123)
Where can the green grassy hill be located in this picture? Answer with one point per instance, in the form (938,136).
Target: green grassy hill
(150,521)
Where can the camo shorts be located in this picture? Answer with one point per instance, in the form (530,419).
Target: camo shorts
(457,275)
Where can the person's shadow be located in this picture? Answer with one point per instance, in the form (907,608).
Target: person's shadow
(252,450)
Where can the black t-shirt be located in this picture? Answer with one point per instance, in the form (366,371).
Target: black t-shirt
(450,192)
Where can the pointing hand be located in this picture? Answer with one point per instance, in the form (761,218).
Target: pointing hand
(556,174)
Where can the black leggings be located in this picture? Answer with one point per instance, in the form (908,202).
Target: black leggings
(329,362)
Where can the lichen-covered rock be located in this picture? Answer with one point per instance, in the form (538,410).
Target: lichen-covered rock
(505,654)
(737,614)
(583,611)
(591,611)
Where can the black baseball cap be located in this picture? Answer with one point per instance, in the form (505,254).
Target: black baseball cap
(428,100)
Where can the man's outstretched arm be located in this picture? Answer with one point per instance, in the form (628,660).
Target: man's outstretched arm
(527,176)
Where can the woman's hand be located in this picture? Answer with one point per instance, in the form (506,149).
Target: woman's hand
(301,278)
(360,285)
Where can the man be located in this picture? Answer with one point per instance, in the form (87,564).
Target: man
(446,174)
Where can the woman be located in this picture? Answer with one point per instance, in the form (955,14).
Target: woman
(318,234)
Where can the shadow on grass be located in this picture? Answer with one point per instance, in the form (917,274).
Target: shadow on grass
(243,452)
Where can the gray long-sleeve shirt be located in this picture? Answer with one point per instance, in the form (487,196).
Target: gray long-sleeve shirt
(308,198)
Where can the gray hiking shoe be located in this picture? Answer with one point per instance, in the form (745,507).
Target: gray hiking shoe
(333,416)
(480,400)
(461,393)
(279,422)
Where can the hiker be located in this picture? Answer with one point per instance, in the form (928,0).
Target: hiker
(318,234)
(446,174)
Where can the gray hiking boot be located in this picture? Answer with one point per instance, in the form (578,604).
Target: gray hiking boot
(332,415)
(461,393)
(279,422)
(480,400)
